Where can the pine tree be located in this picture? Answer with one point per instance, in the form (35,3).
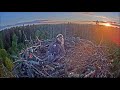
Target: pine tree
(37,33)
(1,41)
(14,44)
(3,54)
(4,72)
(1,44)
(9,64)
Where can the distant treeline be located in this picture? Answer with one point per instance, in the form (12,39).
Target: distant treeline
(48,31)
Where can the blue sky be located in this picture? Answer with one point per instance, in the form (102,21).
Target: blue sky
(10,18)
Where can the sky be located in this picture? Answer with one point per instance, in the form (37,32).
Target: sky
(10,18)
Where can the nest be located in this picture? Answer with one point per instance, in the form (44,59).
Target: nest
(82,59)
(86,55)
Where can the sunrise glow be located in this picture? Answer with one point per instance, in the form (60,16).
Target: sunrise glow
(107,24)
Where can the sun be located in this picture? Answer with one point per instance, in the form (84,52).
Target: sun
(107,24)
